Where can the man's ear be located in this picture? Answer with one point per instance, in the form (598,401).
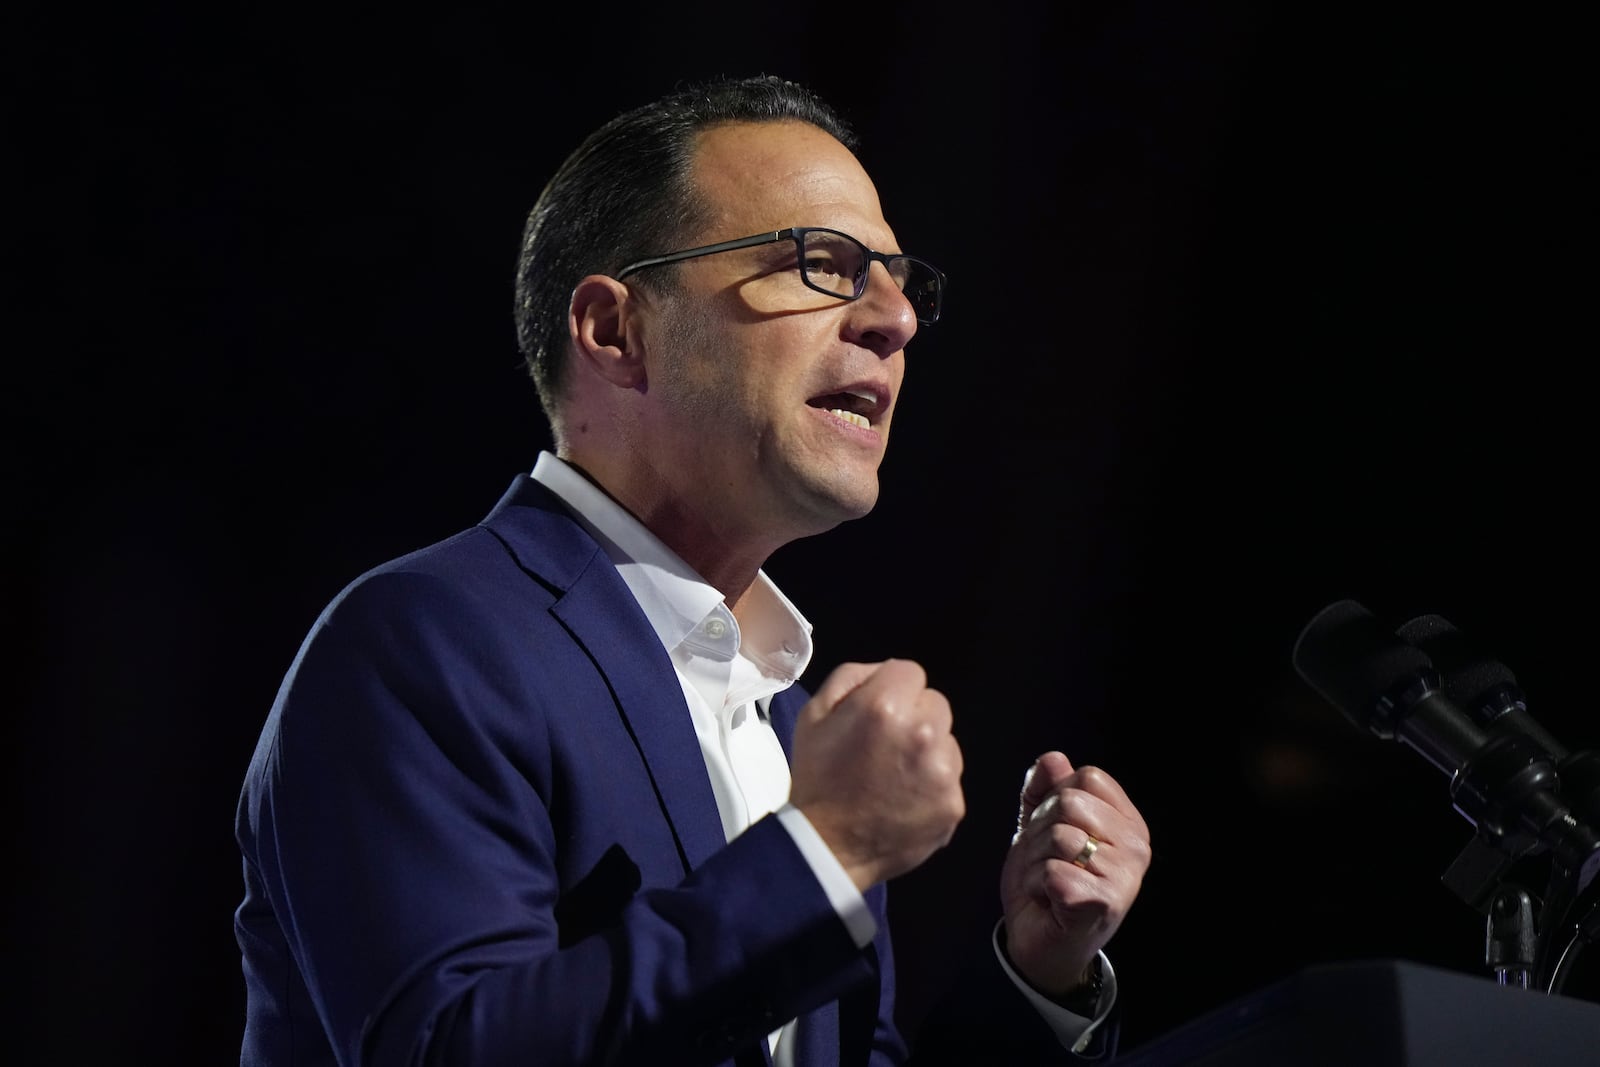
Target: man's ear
(598,319)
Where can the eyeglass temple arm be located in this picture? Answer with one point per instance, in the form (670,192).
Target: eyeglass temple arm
(706,250)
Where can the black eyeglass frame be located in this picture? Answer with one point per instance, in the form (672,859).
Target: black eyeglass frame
(797,234)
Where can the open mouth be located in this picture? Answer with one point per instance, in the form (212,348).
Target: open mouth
(857,407)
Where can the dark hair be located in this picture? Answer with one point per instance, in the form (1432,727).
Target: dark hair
(625,193)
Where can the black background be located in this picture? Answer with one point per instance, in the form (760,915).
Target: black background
(1252,308)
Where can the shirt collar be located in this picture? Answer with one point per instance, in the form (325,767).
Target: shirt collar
(675,599)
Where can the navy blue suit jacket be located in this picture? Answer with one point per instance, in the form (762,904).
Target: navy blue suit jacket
(478,829)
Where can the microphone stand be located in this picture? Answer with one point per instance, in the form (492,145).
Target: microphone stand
(1508,792)
(1574,907)
(1510,945)
(1584,932)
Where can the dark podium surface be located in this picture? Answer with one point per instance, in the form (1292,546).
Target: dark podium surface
(1380,1013)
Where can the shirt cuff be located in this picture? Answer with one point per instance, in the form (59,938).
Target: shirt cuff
(1074,1031)
(841,890)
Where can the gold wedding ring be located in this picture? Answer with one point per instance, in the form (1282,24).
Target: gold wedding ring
(1090,847)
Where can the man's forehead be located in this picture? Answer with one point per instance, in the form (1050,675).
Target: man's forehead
(787,173)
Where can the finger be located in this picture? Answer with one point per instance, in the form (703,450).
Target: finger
(1062,825)
(1097,783)
(898,690)
(840,683)
(1120,854)
(894,676)
(1082,854)
(1070,844)
(933,709)
(1047,775)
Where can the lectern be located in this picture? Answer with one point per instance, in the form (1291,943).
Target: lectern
(1383,1013)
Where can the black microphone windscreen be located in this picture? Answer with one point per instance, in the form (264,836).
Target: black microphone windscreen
(1354,661)
(1467,676)
(1485,687)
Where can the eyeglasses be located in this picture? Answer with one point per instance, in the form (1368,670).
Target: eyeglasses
(833,263)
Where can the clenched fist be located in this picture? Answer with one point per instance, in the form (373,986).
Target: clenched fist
(876,770)
(1075,865)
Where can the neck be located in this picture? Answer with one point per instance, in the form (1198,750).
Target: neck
(714,542)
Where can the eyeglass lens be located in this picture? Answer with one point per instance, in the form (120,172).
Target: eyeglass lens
(835,263)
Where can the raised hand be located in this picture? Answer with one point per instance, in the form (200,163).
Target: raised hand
(876,770)
(1075,865)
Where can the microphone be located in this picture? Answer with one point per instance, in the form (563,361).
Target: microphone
(1486,688)
(1501,782)
(1489,692)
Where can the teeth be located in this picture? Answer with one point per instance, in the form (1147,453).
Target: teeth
(851,417)
(868,397)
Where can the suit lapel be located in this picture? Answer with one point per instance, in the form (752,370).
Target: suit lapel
(613,630)
(600,612)
(783,709)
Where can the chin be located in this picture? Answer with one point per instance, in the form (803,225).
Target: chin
(824,498)
(853,500)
